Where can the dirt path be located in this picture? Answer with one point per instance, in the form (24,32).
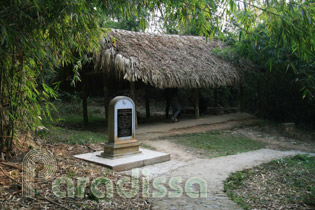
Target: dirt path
(214,171)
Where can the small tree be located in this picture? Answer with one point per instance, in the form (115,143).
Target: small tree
(37,35)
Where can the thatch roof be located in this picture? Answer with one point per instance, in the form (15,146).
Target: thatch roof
(165,61)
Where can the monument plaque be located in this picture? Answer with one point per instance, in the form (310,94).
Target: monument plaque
(124,122)
(121,128)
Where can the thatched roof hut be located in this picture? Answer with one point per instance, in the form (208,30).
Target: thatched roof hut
(164,61)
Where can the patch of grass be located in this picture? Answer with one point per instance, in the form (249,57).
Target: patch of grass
(146,146)
(218,143)
(232,183)
(70,114)
(69,136)
(75,120)
(68,128)
(287,183)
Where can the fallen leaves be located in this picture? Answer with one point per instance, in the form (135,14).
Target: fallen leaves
(11,176)
(282,184)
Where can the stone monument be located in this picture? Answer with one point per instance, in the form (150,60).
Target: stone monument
(122,151)
(121,128)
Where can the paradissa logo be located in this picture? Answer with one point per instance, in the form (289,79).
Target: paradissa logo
(37,167)
(174,188)
(40,166)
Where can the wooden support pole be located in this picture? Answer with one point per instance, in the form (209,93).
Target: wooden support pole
(216,101)
(85,109)
(84,101)
(197,112)
(106,96)
(147,102)
(132,91)
(242,99)
(133,97)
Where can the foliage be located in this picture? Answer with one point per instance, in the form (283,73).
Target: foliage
(36,37)
(279,86)
(287,182)
(264,51)
(39,35)
(282,25)
(281,45)
(277,95)
(282,39)
(134,22)
(277,35)
(288,24)
(295,20)
(199,21)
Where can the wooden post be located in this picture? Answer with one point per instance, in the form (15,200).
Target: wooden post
(133,97)
(242,98)
(147,103)
(132,91)
(216,102)
(85,109)
(106,96)
(196,93)
(84,101)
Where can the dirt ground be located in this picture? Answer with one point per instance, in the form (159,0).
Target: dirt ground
(275,140)
(187,162)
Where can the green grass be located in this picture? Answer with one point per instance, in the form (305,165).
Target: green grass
(69,136)
(67,126)
(286,182)
(146,146)
(216,143)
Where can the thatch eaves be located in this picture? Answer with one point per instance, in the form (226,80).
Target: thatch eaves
(165,61)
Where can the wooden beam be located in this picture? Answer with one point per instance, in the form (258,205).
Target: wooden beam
(216,101)
(106,97)
(132,91)
(133,97)
(197,112)
(242,99)
(147,102)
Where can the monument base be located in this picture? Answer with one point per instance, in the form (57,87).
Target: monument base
(120,149)
(123,163)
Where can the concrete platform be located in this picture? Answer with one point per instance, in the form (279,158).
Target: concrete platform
(123,163)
